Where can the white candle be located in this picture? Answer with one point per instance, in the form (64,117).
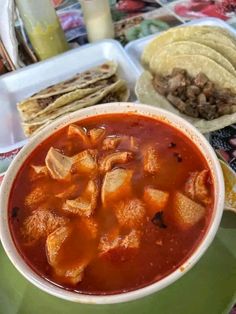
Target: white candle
(98,20)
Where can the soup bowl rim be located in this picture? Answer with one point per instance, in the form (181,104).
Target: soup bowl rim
(112,108)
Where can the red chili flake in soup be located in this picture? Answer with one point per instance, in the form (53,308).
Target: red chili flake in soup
(105,206)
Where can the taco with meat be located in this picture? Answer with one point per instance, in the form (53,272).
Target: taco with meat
(116,92)
(192,86)
(61,94)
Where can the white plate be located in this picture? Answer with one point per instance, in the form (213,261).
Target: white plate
(23,83)
(136,47)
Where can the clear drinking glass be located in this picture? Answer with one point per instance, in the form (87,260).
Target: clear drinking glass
(98,20)
(43,27)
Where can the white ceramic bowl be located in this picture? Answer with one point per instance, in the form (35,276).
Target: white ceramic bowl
(145,110)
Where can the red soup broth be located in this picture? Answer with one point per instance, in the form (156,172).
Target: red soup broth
(163,245)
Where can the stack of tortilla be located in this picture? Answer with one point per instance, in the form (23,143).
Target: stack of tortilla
(95,86)
(197,49)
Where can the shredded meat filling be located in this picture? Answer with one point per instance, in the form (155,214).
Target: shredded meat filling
(112,97)
(196,97)
(45,102)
